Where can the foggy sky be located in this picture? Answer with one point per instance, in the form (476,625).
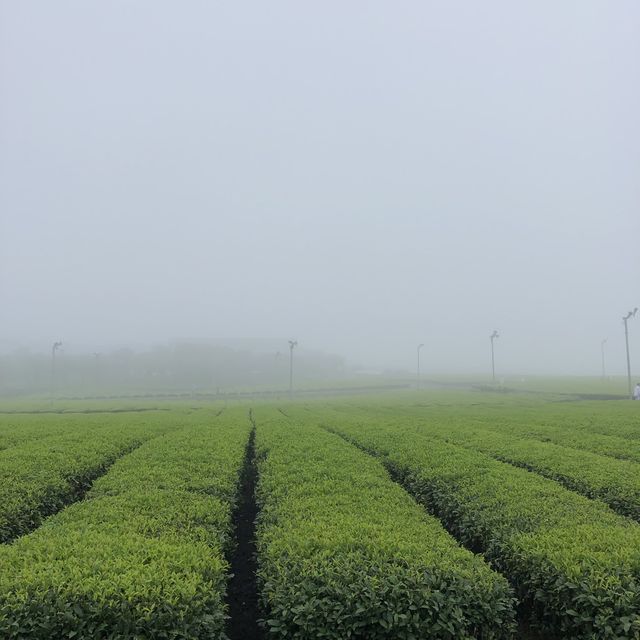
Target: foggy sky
(359,176)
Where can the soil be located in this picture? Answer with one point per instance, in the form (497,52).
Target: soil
(242,592)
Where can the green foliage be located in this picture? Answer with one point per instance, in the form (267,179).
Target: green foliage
(579,437)
(143,556)
(616,482)
(39,477)
(345,553)
(574,562)
(19,429)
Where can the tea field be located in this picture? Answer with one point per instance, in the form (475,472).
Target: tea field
(448,515)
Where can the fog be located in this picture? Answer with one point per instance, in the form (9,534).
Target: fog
(359,176)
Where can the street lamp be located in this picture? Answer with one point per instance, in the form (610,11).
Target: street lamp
(54,348)
(418,372)
(292,344)
(602,343)
(492,337)
(629,315)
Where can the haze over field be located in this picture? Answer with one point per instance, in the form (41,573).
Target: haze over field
(360,176)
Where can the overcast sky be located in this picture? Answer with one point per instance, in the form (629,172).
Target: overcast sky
(361,176)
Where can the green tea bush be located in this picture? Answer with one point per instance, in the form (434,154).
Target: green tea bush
(575,564)
(143,556)
(510,424)
(38,478)
(344,552)
(21,428)
(616,482)
(567,435)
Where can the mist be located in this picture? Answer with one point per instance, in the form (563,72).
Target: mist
(361,177)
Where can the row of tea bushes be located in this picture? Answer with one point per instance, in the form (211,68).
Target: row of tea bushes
(143,556)
(608,428)
(40,477)
(607,432)
(615,482)
(21,428)
(587,420)
(566,435)
(344,552)
(575,563)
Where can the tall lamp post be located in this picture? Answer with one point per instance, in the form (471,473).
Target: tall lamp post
(492,337)
(625,319)
(418,370)
(54,348)
(604,373)
(292,345)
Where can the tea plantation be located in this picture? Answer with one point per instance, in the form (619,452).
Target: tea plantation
(430,515)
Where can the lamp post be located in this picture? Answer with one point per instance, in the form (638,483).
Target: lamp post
(625,319)
(54,348)
(292,344)
(418,370)
(492,337)
(602,343)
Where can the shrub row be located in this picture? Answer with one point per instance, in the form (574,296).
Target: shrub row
(344,552)
(39,477)
(604,425)
(575,564)
(579,460)
(615,482)
(616,420)
(606,445)
(606,429)
(19,429)
(142,557)
(568,435)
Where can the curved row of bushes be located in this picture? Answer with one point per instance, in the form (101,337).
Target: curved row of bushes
(344,552)
(568,435)
(40,477)
(575,563)
(615,482)
(18,429)
(143,556)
